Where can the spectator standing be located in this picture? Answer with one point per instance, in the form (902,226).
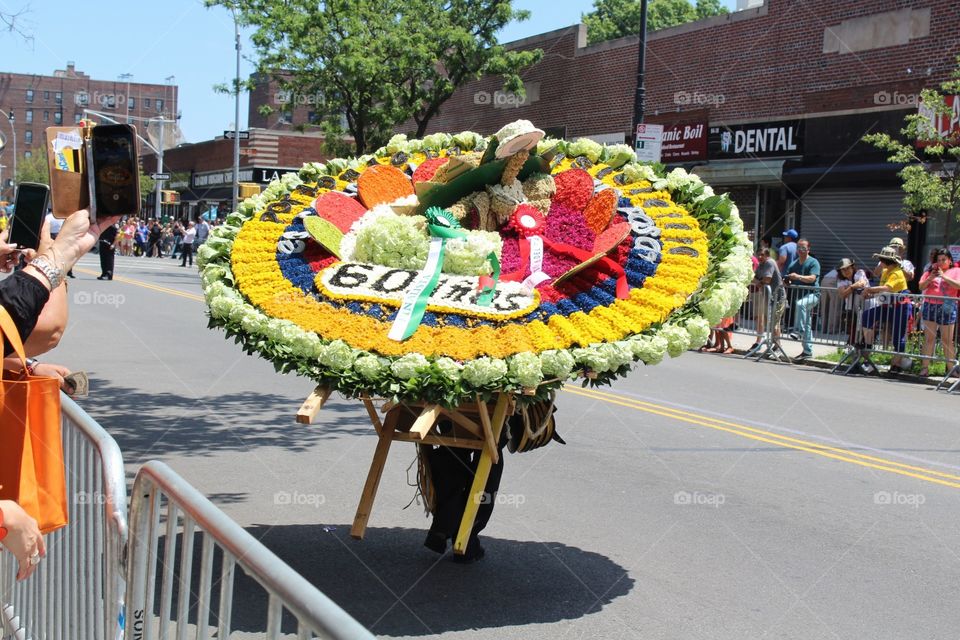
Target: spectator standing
(909,270)
(942,279)
(177,239)
(186,248)
(805,271)
(768,274)
(140,238)
(891,311)
(203,231)
(153,239)
(850,284)
(788,250)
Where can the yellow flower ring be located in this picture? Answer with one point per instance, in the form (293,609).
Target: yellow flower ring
(274,266)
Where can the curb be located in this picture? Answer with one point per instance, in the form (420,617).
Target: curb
(827,364)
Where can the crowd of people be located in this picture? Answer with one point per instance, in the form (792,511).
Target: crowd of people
(868,306)
(155,239)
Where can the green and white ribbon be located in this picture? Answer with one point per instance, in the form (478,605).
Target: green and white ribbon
(442,227)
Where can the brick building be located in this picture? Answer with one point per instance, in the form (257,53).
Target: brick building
(768,103)
(37,102)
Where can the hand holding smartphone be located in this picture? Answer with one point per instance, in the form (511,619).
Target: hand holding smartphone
(29,213)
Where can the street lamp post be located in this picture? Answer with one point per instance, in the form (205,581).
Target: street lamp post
(236,114)
(13,129)
(640,96)
(126,98)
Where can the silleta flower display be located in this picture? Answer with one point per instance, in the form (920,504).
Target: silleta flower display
(514,268)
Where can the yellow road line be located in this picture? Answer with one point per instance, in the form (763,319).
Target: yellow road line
(147,285)
(835,453)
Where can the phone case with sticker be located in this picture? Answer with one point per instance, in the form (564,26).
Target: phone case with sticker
(67,165)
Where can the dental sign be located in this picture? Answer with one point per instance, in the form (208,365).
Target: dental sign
(757,140)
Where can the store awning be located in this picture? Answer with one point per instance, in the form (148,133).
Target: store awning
(213,193)
(875,174)
(741,172)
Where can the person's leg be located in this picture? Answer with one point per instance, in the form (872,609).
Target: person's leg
(103,262)
(110,259)
(804,327)
(451,472)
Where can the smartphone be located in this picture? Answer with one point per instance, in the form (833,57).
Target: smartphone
(28,215)
(114,171)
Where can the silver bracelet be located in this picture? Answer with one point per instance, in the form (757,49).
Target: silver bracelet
(49,270)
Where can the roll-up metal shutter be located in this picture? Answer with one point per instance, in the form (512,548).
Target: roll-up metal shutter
(849,223)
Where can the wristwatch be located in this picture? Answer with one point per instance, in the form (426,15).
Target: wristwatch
(49,270)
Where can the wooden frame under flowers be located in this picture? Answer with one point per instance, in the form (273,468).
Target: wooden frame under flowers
(475,426)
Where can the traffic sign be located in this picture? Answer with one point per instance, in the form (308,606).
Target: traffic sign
(244,135)
(648,142)
(160,176)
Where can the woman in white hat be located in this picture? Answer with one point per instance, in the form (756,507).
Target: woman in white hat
(883,305)
(850,283)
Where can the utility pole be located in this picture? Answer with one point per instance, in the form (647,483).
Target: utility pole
(159,183)
(236,115)
(640,96)
(13,129)
(126,97)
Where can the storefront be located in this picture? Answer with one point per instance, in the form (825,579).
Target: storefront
(211,192)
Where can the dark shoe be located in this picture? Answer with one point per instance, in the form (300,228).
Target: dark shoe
(70,274)
(793,335)
(473,553)
(436,542)
(103,278)
(803,357)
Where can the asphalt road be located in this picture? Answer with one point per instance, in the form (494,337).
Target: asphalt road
(707,497)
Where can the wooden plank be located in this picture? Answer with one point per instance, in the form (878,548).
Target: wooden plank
(425,421)
(373,478)
(311,406)
(488,432)
(464,422)
(372,412)
(480,478)
(445,441)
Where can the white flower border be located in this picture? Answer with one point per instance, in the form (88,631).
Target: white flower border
(720,294)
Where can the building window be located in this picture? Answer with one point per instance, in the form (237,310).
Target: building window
(110,101)
(82,98)
(28,116)
(46,116)
(131,103)
(146,103)
(28,137)
(28,154)
(159,104)
(46,96)
(58,97)
(58,117)
(77,117)
(29,95)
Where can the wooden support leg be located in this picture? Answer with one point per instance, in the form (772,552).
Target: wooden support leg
(481,476)
(373,477)
(372,412)
(312,405)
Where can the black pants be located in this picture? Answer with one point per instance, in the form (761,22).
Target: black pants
(186,253)
(452,471)
(106,260)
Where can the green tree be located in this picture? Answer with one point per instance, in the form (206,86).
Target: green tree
(617,18)
(931,177)
(34,168)
(378,63)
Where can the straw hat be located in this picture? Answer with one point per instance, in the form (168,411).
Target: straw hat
(888,253)
(516,137)
(896,242)
(846,262)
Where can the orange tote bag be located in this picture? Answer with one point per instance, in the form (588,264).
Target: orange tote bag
(31,449)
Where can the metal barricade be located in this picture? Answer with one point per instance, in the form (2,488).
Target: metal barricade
(762,311)
(77,590)
(816,315)
(158,491)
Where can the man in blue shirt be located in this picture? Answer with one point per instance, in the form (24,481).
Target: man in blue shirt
(788,250)
(804,271)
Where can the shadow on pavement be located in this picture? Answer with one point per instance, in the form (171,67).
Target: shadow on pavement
(163,423)
(395,587)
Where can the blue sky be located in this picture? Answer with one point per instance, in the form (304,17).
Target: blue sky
(182,38)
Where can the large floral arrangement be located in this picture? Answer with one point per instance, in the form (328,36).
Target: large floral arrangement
(557,260)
